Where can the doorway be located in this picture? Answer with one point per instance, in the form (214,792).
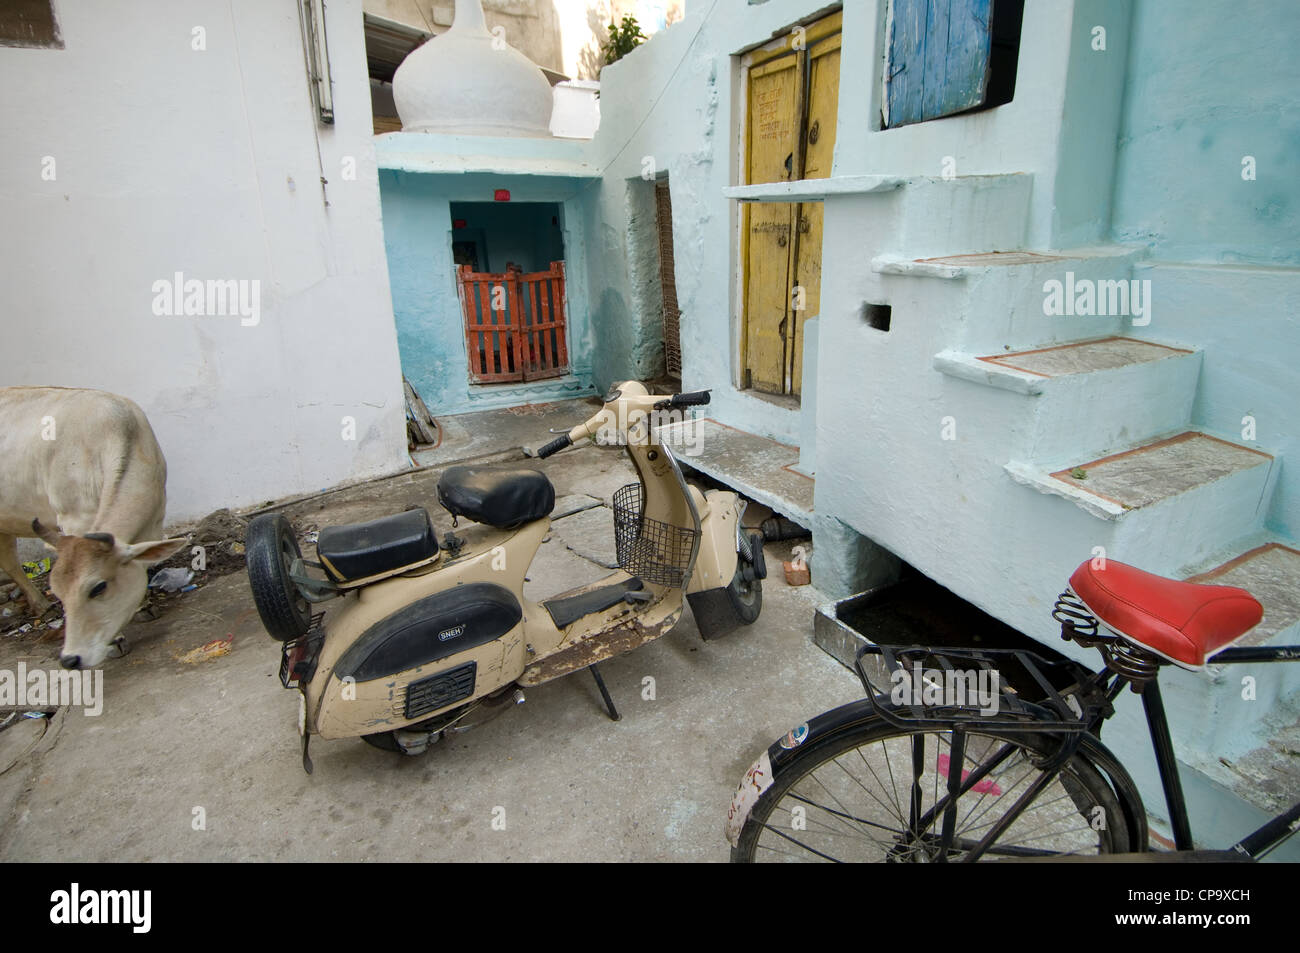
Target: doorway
(509,260)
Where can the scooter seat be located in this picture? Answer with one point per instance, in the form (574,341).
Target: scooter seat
(361,550)
(496,496)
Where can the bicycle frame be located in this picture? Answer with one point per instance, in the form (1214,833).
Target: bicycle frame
(1097,692)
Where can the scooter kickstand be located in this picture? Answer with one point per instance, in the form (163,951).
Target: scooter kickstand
(604,693)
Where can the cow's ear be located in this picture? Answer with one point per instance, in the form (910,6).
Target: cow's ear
(49,536)
(151,552)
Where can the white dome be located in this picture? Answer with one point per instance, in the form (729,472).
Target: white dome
(459,83)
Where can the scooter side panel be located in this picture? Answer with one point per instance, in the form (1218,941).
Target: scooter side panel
(337,709)
(352,708)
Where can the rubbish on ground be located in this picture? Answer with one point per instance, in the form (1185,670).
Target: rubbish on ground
(171,579)
(56,624)
(36,714)
(38,568)
(208,651)
(421,428)
(311,537)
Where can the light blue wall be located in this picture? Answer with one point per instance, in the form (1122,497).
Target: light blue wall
(426,305)
(1209,84)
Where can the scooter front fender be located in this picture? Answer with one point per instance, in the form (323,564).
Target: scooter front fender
(715,564)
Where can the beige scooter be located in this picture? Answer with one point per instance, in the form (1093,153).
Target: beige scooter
(433,639)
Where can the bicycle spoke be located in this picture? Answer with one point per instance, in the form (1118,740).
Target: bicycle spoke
(990,797)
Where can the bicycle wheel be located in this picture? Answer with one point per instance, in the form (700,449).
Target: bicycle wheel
(879,793)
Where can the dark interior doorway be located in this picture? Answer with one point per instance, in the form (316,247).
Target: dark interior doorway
(491,236)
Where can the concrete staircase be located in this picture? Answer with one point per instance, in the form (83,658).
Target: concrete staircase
(1107,425)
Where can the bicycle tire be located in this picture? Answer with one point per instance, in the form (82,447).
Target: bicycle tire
(1087,786)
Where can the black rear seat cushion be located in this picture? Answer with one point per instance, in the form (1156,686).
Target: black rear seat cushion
(360,550)
(496,496)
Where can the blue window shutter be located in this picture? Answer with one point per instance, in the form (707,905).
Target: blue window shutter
(938,58)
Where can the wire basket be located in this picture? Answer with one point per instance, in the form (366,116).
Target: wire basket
(654,551)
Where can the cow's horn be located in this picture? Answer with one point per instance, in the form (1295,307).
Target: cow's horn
(43,533)
(102,538)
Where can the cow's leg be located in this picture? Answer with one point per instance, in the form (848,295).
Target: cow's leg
(9,563)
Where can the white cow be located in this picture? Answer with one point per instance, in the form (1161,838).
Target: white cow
(82,470)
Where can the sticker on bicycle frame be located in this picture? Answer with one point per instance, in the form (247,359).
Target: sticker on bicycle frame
(795,737)
(757,780)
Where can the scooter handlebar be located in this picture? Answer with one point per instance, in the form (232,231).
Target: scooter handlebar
(689,399)
(555,446)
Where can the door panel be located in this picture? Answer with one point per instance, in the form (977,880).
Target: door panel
(773,130)
(791,122)
(767,270)
(773,123)
(819,150)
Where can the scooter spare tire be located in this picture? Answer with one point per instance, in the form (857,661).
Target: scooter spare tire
(270,547)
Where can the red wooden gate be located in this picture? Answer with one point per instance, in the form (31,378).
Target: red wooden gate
(514,324)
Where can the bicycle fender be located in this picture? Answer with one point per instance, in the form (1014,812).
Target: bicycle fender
(763,772)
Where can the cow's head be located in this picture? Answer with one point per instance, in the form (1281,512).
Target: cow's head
(100,582)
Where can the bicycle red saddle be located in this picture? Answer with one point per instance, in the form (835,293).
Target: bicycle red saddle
(1184,622)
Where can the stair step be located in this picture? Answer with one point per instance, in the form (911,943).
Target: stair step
(955,266)
(1246,740)
(1157,471)
(1153,473)
(1083,357)
(1026,371)
(1271,573)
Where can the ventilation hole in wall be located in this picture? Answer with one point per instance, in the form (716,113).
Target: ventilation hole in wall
(876,315)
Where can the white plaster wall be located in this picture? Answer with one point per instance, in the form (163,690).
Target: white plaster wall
(205,162)
(675,105)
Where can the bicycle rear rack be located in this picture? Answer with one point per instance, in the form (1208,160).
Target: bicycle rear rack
(955,674)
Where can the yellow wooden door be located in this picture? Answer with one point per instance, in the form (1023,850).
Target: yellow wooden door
(790,134)
(773,133)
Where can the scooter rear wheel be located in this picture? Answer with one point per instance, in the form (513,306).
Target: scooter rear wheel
(270,547)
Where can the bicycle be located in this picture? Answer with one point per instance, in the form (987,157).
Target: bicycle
(876,779)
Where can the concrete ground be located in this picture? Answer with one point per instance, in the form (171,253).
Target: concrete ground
(199,759)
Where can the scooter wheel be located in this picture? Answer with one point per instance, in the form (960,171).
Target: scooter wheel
(746,597)
(270,547)
(384,741)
